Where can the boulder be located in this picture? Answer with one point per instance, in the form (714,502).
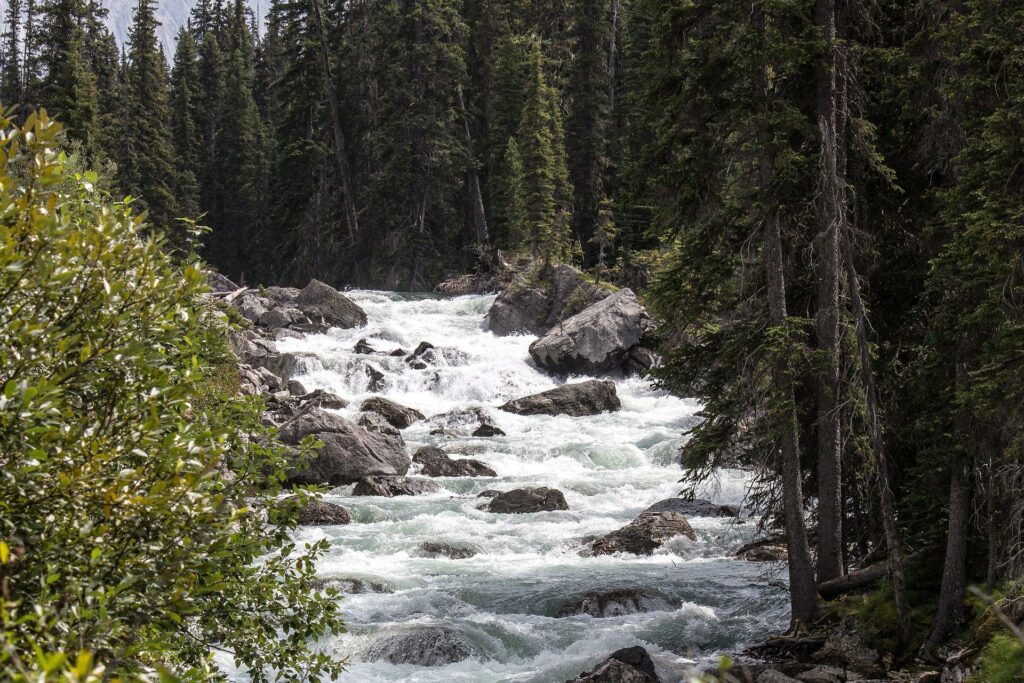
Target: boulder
(645,534)
(375,422)
(218,283)
(629,665)
(520,501)
(287,366)
(823,674)
(615,603)
(297,388)
(465,422)
(763,553)
(596,340)
(327,307)
(375,376)
(281,316)
(390,486)
(436,463)
(694,508)
(398,415)
(488,430)
(421,646)
(318,512)
(639,361)
(845,647)
(363,347)
(252,306)
(250,347)
(452,552)
(354,586)
(535,304)
(773,676)
(584,398)
(349,452)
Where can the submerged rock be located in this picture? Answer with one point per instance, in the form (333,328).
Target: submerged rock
(398,415)
(645,534)
(421,646)
(595,341)
(521,501)
(465,422)
(393,486)
(584,398)
(449,550)
(694,508)
(436,463)
(628,665)
(289,365)
(615,603)
(363,347)
(349,452)
(488,430)
(354,586)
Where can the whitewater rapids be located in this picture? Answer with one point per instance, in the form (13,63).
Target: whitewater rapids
(503,600)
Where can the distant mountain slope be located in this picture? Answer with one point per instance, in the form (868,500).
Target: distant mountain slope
(172,15)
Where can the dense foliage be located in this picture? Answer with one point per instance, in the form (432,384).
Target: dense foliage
(131,539)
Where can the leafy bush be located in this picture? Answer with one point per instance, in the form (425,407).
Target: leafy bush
(1002,660)
(132,540)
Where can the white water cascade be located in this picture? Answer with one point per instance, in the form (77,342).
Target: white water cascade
(503,600)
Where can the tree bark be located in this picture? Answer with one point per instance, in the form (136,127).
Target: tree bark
(951,594)
(831,216)
(803,591)
(613,58)
(887,503)
(475,196)
(348,197)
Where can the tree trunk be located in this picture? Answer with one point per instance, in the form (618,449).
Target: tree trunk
(803,591)
(351,215)
(831,216)
(887,503)
(951,594)
(613,58)
(475,196)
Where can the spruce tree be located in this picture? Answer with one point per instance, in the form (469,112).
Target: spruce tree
(147,169)
(545,193)
(185,113)
(11,88)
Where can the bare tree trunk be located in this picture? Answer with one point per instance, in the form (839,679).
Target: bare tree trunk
(831,216)
(803,591)
(475,196)
(951,593)
(613,58)
(348,197)
(886,501)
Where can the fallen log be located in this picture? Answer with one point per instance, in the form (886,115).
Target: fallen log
(856,580)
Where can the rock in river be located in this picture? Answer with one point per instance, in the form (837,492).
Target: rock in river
(393,486)
(584,398)
(318,512)
(348,453)
(436,463)
(694,508)
(520,501)
(449,550)
(596,340)
(398,415)
(615,603)
(535,303)
(421,646)
(644,534)
(628,665)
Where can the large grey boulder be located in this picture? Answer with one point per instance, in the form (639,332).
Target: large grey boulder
(389,487)
(250,347)
(334,309)
(397,415)
(532,305)
(615,603)
(597,340)
(436,463)
(349,452)
(645,534)
(522,501)
(290,365)
(317,512)
(584,398)
(628,665)
(694,508)
(421,646)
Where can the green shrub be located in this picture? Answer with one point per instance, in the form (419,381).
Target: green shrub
(131,539)
(1002,660)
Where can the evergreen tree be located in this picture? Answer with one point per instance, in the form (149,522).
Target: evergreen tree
(147,170)
(11,88)
(541,145)
(185,114)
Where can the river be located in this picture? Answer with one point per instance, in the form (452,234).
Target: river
(503,600)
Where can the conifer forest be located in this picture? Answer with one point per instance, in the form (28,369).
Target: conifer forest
(512,340)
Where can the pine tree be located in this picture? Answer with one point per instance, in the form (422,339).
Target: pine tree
(509,202)
(147,170)
(11,86)
(185,114)
(545,186)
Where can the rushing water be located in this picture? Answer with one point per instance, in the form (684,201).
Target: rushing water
(503,600)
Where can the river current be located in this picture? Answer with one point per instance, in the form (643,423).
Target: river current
(504,599)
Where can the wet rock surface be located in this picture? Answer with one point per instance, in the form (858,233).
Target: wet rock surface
(436,463)
(615,603)
(694,508)
(422,646)
(583,398)
(393,486)
(645,534)
(526,500)
(397,415)
(629,665)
